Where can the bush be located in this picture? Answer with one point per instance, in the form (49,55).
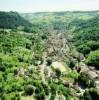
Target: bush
(49,62)
(84,49)
(2,68)
(53,88)
(91,94)
(72,63)
(84,79)
(47,91)
(73,74)
(87,96)
(40,96)
(94,93)
(15,71)
(93,59)
(53,97)
(12,96)
(3,97)
(37,91)
(93,44)
(64,90)
(46,88)
(1,88)
(58,73)
(15,96)
(29,90)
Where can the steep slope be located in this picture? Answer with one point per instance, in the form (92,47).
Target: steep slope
(12,20)
(86,36)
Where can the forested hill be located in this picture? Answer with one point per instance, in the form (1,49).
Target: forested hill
(86,39)
(91,24)
(12,20)
(88,32)
(66,14)
(59,20)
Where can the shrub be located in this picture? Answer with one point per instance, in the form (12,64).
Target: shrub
(94,93)
(29,90)
(40,96)
(12,96)
(49,62)
(1,88)
(72,63)
(93,59)
(93,44)
(47,91)
(53,88)
(53,97)
(3,97)
(84,79)
(87,96)
(15,71)
(64,90)
(73,74)
(37,91)
(58,73)
(2,68)
(15,96)
(84,49)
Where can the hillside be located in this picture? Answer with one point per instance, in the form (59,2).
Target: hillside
(59,20)
(88,34)
(57,60)
(12,20)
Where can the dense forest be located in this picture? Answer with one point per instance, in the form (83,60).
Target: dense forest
(86,40)
(12,20)
(49,56)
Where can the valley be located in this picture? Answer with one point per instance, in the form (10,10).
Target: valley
(49,56)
